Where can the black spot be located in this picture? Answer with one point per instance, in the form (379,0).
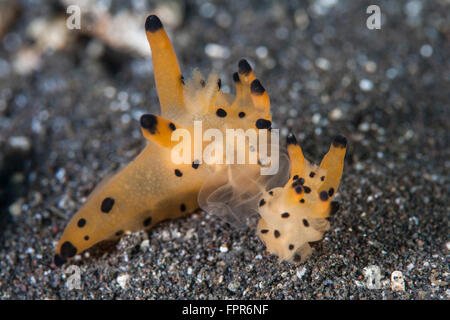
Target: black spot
(152,23)
(172,126)
(86,238)
(81,223)
(182,80)
(244,67)
(290,139)
(202,83)
(307,189)
(149,122)
(334,207)
(58,260)
(183,207)
(178,173)
(68,250)
(119,233)
(271,193)
(297,258)
(241,114)
(195,164)
(302,200)
(285,215)
(107,205)
(276,234)
(340,141)
(291,247)
(263,124)
(295,177)
(312,174)
(322,178)
(221,113)
(264,231)
(331,192)
(236,77)
(323,195)
(301,181)
(257,88)
(305,223)
(219,83)
(147,221)
(298,190)
(262,202)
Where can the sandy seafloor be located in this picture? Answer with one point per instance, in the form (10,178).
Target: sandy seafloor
(74,119)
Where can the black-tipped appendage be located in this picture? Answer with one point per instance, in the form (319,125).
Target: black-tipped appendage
(291,139)
(152,23)
(149,122)
(244,67)
(256,87)
(340,141)
(263,124)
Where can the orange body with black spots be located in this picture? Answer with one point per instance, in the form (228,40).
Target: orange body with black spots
(294,215)
(152,188)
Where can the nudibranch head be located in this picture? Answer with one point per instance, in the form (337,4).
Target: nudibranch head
(295,215)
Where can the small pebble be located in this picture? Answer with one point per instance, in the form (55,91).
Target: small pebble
(123,280)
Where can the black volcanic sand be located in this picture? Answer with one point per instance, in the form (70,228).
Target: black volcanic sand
(385,90)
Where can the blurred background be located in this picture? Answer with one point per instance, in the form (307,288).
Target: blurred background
(72,91)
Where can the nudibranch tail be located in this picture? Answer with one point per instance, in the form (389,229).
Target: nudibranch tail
(294,215)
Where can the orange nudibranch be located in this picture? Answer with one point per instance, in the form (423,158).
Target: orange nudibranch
(152,188)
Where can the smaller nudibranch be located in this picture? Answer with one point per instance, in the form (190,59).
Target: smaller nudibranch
(294,215)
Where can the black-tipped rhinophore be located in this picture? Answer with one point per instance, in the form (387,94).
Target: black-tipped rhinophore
(236,77)
(263,124)
(58,260)
(291,139)
(68,250)
(244,67)
(149,122)
(256,87)
(152,23)
(219,83)
(340,141)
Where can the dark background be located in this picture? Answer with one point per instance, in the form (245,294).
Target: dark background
(69,105)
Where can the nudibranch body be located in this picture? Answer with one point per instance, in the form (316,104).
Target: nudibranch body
(295,215)
(152,188)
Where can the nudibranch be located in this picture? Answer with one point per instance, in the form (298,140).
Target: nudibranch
(294,215)
(151,188)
